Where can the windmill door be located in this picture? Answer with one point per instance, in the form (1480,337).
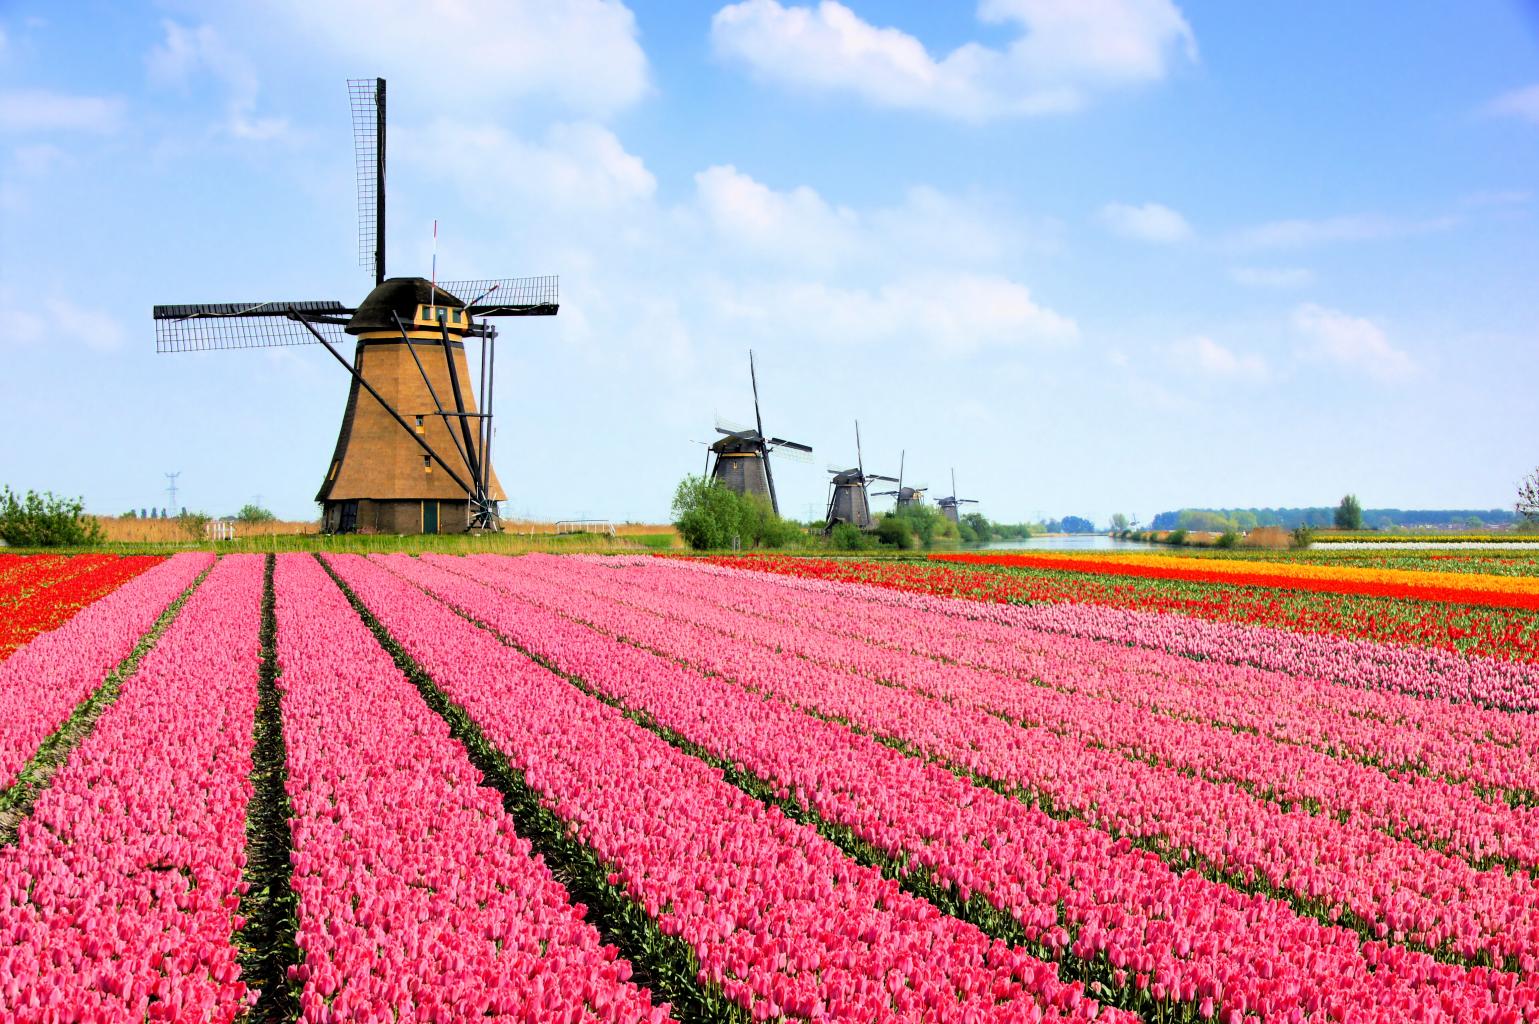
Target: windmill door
(430,517)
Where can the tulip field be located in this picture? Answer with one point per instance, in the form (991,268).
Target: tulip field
(635,788)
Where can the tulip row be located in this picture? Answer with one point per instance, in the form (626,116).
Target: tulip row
(417,898)
(1395,888)
(44,681)
(1491,748)
(44,596)
(1417,585)
(1461,655)
(1282,740)
(119,899)
(778,918)
(1159,937)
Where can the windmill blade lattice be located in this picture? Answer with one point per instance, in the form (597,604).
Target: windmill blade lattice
(367,98)
(213,326)
(508,296)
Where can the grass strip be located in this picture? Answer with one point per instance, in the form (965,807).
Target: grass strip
(17,801)
(266,943)
(664,963)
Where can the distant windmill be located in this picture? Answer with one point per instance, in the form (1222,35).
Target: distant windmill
(410,358)
(740,460)
(948,505)
(847,492)
(905,496)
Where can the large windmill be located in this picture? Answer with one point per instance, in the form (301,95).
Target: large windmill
(413,455)
(905,496)
(847,492)
(740,460)
(948,505)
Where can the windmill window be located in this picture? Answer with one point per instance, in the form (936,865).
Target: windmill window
(427,463)
(419,424)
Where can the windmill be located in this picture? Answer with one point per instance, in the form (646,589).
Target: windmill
(740,460)
(847,492)
(905,496)
(948,505)
(413,455)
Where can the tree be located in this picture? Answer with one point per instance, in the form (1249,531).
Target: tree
(710,515)
(706,514)
(45,521)
(923,520)
(1119,523)
(1349,514)
(1528,497)
(254,514)
(1077,524)
(981,527)
(895,530)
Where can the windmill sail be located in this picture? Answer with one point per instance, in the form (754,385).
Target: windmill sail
(211,326)
(367,97)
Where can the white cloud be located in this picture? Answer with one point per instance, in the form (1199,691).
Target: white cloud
(797,224)
(579,166)
(463,54)
(957,313)
(58,321)
(188,52)
(1353,342)
(1150,222)
(801,228)
(1272,277)
(1289,234)
(32,111)
(1522,104)
(1068,51)
(1211,359)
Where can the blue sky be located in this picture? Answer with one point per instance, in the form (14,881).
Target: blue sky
(1122,255)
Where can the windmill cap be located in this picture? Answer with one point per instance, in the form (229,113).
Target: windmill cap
(401,296)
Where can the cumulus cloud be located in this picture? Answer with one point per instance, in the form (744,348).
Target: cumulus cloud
(187,52)
(800,227)
(1150,222)
(583,54)
(1272,277)
(957,313)
(1522,104)
(1298,233)
(1066,53)
(798,224)
(38,111)
(1211,359)
(1353,342)
(575,166)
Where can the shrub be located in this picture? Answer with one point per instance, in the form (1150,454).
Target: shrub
(709,515)
(706,514)
(1176,537)
(193,524)
(45,521)
(848,537)
(1227,539)
(896,531)
(1302,536)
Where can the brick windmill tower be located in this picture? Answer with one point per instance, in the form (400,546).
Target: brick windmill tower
(413,454)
